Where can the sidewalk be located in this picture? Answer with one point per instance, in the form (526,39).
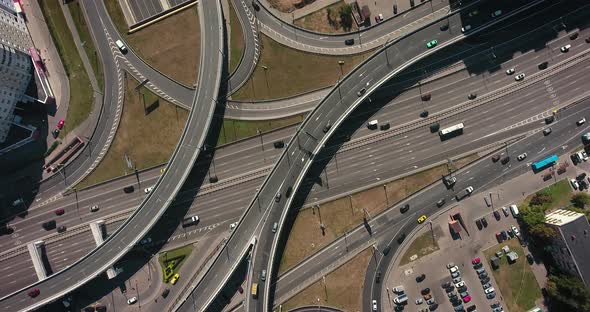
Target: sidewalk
(56,73)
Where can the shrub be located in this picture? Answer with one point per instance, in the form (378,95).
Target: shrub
(580,200)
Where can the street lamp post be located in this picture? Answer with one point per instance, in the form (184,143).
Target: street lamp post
(341,63)
(261,144)
(266,76)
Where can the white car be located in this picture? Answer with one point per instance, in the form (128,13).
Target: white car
(584,156)
(419,301)
(497,13)
(489,290)
(521,156)
(465,28)
(515,230)
(94,208)
(233,225)
(574,184)
(450,265)
(454,269)
(581,122)
(565,48)
(148,190)
(374,305)
(510,71)
(460,284)
(519,77)
(132,300)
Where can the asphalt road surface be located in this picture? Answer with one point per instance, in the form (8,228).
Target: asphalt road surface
(166,189)
(111,199)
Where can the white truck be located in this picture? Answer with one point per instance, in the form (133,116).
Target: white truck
(514,210)
(400,299)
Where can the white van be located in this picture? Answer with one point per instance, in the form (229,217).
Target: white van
(373,124)
(514,210)
(121,46)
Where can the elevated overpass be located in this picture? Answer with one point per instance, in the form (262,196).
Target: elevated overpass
(155,204)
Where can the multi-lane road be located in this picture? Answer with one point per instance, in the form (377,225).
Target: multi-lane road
(445,93)
(155,204)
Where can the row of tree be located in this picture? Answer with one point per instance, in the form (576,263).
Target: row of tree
(564,292)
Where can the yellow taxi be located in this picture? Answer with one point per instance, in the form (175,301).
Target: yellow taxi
(163,170)
(422,219)
(174,279)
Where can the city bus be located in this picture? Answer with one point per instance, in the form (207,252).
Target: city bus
(451,131)
(545,162)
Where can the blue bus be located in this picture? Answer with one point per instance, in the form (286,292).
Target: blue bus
(550,160)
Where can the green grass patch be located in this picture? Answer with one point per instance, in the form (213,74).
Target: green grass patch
(291,72)
(148,139)
(423,245)
(233,130)
(236,40)
(559,192)
(86,39)
(80,102)
(175,259)
(516,281)
(326,20)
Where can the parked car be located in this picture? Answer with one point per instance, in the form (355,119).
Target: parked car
(478,223)
(475,260)
(425,291)
(499,237)
(60,124)
(496,215)
(420,278)
(484,222)
(505,210)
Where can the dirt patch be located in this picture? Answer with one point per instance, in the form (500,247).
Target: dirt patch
(147,139)
(326,20)
(421,246)
(171,45)
(341,289)
(341,215)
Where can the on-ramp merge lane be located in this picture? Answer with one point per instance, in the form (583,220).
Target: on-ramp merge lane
(168,185)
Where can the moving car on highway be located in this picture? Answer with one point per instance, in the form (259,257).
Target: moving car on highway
(421,219)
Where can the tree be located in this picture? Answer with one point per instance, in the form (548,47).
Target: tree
(568,293)
(540,199)
(331,20)
(346,16)
(580,200)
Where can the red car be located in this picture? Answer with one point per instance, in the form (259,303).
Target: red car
(59,212)
(34,293)
(60,124)
(475,260)
(467,299)
(499,237)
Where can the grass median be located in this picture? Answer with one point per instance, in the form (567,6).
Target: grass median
(236,39)
(344,214)
(81,99)
(421,246)
(86,39)
(148,139)
(171,45)
(233,130)
(341,289)
(175,259)
(282,72)
(516,281)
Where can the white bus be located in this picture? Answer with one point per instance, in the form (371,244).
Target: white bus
(451,131)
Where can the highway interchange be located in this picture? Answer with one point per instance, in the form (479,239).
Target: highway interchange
(348,162)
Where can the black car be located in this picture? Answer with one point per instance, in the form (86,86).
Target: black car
(420,278)
(378,277)
(401,238)
(404,208)
(505,160)
(425,291)
(384,126)
(485,280)
(471,308)
(530,258)
(289,191)
(549,119)
(128,189)
(444,27)
(165,293)
(582,176)
(496,215)
(478,223)
(434,127)
(472,96)
(424,114)
(495,158)
(543,65)
(426,97)
(61,229)
(504,235)
(446,285)
(349,42)
(484,222)
(5,229)
(483,275)
(386,250)
(433,307)
(55,133)
(279,144)
(49,225)
(440,203)
(255,6)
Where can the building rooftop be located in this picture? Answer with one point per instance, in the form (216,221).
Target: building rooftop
(576,235)
(560,217)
